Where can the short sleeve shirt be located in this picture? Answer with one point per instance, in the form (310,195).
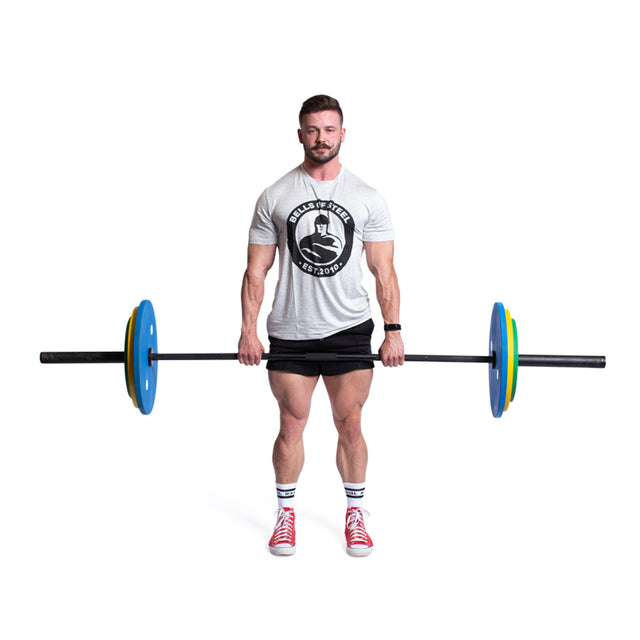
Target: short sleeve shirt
(320,228)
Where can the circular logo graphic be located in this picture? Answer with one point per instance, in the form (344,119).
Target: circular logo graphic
(320,237)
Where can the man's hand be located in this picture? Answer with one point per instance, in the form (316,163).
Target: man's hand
(392,350)
(250,349)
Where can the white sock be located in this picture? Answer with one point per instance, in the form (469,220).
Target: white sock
(286,494)
(355,493)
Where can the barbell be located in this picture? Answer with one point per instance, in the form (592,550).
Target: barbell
(140,358)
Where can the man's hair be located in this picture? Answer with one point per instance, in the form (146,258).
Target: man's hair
(320,103)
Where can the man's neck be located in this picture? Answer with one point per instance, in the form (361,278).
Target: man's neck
(322,172)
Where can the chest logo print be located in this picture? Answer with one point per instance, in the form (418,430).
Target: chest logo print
(320,237)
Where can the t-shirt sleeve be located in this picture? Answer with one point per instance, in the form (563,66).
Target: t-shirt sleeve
(379,227)
(263,229)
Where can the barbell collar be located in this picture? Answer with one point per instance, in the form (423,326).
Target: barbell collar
(81,357)
(580,362)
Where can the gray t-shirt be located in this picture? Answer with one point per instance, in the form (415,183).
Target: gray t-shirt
(320,228)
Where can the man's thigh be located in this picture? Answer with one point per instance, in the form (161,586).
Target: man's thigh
(348,392)
(293,392)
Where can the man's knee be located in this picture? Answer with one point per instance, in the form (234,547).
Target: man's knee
(349,426)
(292,426)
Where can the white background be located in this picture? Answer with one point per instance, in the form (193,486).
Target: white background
(136,137)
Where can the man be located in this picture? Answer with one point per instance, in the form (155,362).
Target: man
(320,306)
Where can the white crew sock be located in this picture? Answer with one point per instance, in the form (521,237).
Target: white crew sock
(355,493)
(286,494)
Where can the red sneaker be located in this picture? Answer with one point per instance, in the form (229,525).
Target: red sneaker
(283,540)
(358,541)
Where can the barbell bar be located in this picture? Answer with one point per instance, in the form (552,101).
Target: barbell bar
(140,358)
(117,357)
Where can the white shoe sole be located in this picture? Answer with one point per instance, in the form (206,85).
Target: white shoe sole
(282,551)
(359,552)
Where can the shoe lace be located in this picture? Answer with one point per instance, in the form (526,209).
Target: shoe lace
(355,526)
(284,526)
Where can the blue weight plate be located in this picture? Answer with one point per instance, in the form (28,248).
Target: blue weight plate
(145,374)
(498,344)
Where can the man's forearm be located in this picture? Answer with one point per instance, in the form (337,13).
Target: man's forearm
(252,295)
(388,295)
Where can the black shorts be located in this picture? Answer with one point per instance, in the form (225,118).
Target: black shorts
(353,341)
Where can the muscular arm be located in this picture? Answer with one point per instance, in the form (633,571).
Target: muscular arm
(380,263)
(259,260)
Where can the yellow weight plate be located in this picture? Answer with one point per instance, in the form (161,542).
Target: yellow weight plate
(510,359)
(126,353)
(132,388)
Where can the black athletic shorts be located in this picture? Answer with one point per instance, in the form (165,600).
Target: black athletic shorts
(355,340)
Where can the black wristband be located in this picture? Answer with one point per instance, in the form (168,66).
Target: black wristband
(392,327)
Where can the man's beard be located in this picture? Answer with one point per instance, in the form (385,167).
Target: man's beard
(322,159)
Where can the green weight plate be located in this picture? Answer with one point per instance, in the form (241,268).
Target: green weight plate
(132,389)
(515,359)
(507,398)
